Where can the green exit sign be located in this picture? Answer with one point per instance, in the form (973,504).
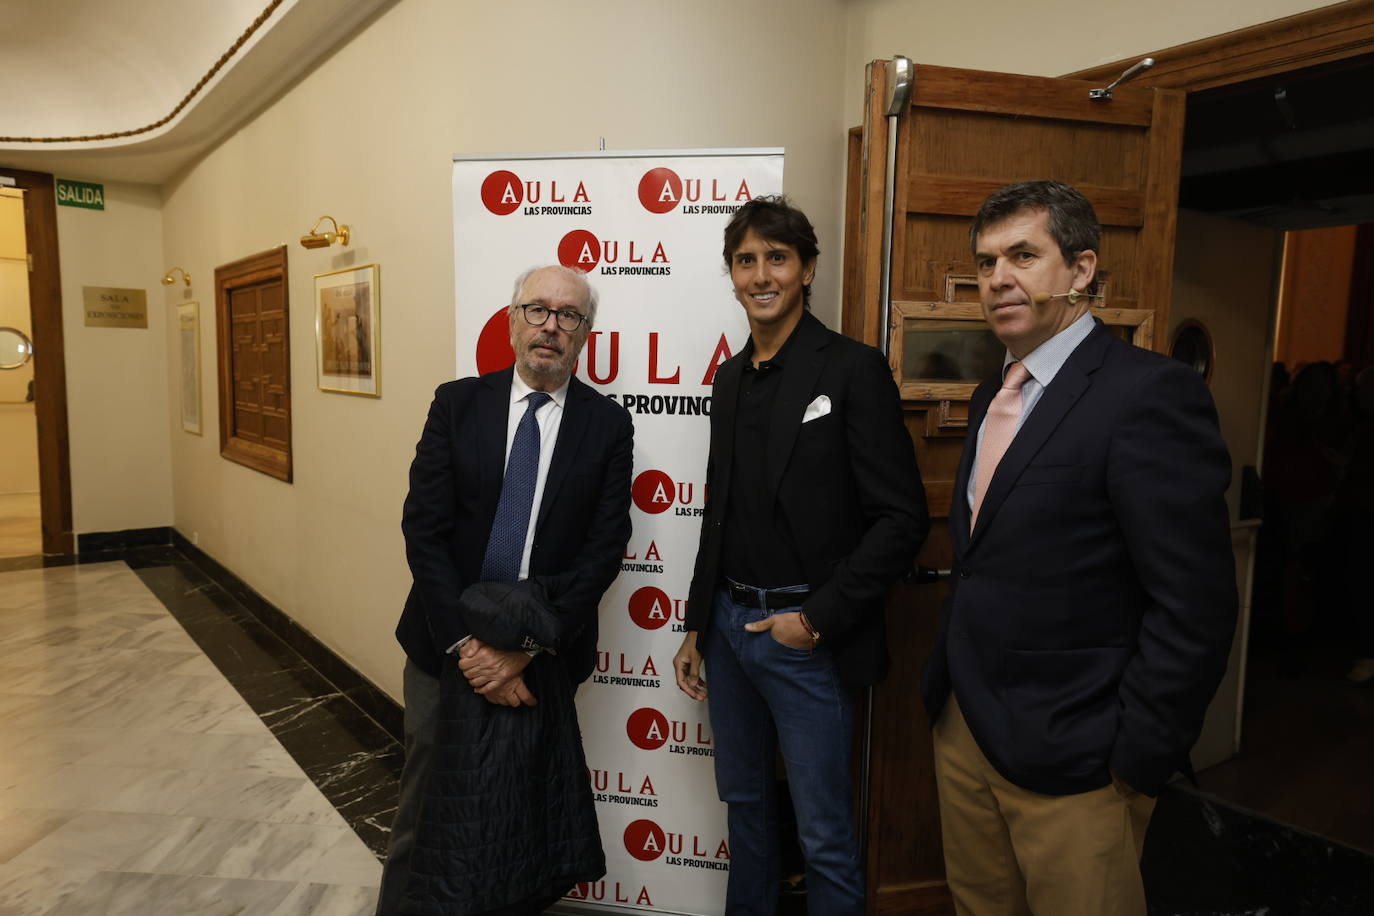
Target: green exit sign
(80,194)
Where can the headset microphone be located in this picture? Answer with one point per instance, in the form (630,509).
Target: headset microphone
(1072,295)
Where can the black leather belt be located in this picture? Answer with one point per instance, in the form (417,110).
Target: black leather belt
(765,599)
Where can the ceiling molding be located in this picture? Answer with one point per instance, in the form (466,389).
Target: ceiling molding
(185,100)
(286,39)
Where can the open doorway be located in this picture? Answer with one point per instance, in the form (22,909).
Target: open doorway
(1275,175)
(39,206)
(20,522)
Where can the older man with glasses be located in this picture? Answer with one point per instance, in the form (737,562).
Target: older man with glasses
(519,474)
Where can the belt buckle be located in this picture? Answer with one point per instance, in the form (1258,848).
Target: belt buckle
(745,596)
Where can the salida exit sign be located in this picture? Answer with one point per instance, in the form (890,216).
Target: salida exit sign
(80,194)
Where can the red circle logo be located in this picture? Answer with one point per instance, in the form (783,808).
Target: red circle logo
(650,607)
(647,728)
(660,190)
(644,840)
(653,492)
(502,192)
(493,344)
(579,250)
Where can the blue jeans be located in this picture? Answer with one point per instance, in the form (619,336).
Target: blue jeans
(764,696)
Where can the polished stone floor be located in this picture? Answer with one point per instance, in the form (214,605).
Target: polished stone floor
(164,751)
(136,779)
(20,527)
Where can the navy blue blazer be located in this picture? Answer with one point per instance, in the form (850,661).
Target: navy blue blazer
(1091,611)
(846,483)
(582,526)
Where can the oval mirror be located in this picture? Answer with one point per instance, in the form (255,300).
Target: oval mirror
(15,348)
(1192,345)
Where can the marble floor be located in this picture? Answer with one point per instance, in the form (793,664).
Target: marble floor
(164,750)
(136,779)
(20,526)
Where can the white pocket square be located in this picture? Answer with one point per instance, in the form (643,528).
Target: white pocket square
(816,409)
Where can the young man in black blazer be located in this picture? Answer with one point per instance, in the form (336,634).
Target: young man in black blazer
(1094,598)
(815,508)
(577,505)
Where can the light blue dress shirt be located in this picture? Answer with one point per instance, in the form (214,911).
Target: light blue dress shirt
(1043,363)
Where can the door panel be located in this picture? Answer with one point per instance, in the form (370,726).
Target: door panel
(964,134)
(1226,279)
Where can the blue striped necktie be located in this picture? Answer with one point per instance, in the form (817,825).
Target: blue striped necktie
(506,544)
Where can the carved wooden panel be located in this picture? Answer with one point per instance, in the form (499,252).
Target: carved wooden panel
(254,347)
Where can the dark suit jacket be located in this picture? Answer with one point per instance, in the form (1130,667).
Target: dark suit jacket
(1091,612)
(846,483)
(582,526)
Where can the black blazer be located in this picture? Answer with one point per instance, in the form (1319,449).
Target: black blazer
(1091,611)
(581,530)
(846,483)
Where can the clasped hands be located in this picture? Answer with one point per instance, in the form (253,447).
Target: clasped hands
(495,674)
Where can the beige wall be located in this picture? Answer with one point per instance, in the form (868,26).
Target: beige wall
(117,403)
(14,289)
(18,426)
(18,448)
(1050,38)
(1226,277)
(368,137)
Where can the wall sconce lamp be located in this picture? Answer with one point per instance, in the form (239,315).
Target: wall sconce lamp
(313,239)
(168,279)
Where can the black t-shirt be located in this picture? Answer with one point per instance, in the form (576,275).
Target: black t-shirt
(758,549)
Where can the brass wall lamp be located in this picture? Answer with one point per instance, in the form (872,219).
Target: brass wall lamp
(314,239)
(168,279)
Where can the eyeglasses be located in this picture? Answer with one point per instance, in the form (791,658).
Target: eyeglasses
(568,319)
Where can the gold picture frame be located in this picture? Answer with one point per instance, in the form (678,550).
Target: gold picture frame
(348,331)
(188,342)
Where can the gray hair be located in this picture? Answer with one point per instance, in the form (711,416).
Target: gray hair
(577,276)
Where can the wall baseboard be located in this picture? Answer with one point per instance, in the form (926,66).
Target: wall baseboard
(352,684)
(95,541)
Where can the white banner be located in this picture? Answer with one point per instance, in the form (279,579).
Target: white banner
(646,226)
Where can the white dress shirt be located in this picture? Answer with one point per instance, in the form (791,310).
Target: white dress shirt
(549,417)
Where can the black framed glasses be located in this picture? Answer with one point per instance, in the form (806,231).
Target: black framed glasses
(568,319)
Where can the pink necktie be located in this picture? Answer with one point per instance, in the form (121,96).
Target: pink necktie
(998,429)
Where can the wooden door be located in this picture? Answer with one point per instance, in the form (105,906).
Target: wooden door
(1226,273)
(964,134)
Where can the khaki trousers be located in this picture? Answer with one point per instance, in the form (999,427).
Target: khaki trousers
(1012,852)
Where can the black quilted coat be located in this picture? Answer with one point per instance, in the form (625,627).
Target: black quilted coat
(508,816)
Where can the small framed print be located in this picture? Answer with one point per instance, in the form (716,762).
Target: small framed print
(188,336)
(348,328)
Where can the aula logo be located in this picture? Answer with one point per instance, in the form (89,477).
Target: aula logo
(650,608)
(611,892)
(662,190)
(504,192)
(649,729)
(646,841)
(653,491)
(582,250)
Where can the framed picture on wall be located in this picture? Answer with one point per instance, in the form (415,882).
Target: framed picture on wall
(348,326)
(188,339)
